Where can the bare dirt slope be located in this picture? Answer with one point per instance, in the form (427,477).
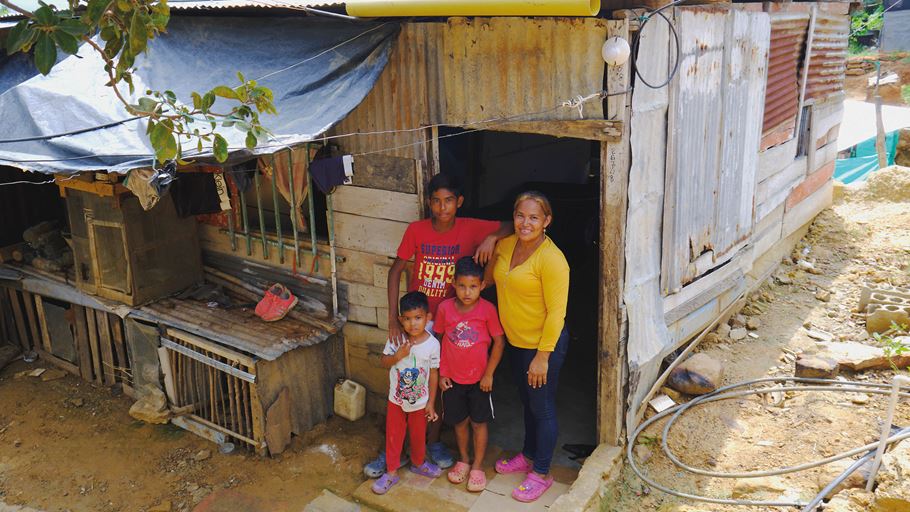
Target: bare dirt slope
(862,239)
(68,445)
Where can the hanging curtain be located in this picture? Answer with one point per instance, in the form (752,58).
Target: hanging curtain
(282,179)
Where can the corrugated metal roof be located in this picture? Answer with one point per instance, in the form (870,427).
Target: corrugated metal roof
(236,4)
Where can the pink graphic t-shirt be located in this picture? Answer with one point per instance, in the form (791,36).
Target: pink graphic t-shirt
(466,339)
(435,254)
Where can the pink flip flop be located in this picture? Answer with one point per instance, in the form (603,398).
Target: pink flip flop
(477,482)
(517,464)
(458,473)
(532,488)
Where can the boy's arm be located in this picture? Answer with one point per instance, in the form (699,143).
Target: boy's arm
(485,250)
(393,285)
(499,344)
(488,276)
(431,400)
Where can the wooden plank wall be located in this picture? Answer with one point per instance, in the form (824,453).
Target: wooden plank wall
(100,350)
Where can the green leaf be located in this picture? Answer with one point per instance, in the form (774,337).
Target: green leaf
(220,148)
(45,54)
(251,140)
(66,42)
(171,97)
(197,100)
(240,76)
(225,92)
(45,16)
(147,104)
(113,47)
(72,27)
(128,78)
(241,94)
(95,10)
(138,33)
(207,101)
(149,126)
(18,37)
(124,5)
(164,143)
(199,145)
(109,33)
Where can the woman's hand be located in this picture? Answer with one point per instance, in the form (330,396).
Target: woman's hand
(537,371)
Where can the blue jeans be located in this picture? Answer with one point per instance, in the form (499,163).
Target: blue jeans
(541,427)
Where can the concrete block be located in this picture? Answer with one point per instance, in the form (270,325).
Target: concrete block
(883,294)
(879,317)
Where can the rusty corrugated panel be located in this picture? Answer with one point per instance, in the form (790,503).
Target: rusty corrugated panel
(788,36)
(465,71)
(827,63)
(497,67)
(236,4)
(714,132)
(407,95)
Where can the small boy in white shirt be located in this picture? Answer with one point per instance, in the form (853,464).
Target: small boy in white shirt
(413,379)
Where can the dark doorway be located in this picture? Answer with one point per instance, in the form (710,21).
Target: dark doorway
(495,167)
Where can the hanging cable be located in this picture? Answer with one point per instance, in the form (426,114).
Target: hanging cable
(644,19)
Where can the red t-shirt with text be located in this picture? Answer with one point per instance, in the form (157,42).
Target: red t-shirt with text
(435,254)
(466,339)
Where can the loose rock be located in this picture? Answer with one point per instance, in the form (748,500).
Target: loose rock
(164,506)
(697,375)
(851,500)
(758,487)
(856,480)
(738,321)
(816,367)
(151,408)
(52,374)
(858,357)
(723,330)
(753,323)
(738,334)
(202,455)
(893,492)
(823,295)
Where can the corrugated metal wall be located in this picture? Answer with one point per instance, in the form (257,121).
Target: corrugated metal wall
(469,70)
(788,37)
(712,148)
(827,63)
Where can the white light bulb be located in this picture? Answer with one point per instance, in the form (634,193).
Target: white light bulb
(615,51)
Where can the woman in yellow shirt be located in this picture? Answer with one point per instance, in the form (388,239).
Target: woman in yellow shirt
(532,287)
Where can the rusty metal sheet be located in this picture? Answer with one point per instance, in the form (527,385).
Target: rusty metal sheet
(788,36)
(498,67)
(827,64)
(714,135)
(409,94)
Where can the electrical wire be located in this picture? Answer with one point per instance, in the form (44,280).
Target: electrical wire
(727,393)
(26,182)
(645,18)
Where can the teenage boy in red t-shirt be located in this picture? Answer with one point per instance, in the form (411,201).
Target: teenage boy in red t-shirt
(436,244)
(466,327)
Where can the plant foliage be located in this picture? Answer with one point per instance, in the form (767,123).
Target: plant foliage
(124,29)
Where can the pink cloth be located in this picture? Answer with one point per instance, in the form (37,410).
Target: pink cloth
(466,339)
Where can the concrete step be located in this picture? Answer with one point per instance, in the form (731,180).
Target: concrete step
(331,502)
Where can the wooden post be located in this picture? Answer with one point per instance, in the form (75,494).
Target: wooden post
(614,180)
(82,344)
(18,319)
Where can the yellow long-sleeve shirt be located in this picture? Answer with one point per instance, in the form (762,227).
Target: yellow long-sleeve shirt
(532,296)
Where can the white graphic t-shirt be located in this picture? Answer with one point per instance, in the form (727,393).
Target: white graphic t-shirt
(409,379)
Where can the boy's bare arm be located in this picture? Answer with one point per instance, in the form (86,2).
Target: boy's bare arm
(393,285)
(431,401)
(488,277)
(499,344)
(403,350)
(485,251)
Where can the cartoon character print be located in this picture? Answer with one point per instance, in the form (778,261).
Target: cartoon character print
(463,336)
(411,385)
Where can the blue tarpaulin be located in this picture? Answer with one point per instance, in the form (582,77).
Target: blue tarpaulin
(864,159)
(319,70)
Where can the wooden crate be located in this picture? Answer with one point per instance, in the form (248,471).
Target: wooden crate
(124,253)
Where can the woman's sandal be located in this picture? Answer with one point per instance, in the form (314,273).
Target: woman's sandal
(477,481)
(517,464)
(458,473)
(384,483)
(532,488)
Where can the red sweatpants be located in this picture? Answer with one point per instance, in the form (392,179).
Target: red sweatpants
(397,423)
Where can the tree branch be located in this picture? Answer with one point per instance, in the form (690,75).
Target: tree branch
(110,73)
(20,10)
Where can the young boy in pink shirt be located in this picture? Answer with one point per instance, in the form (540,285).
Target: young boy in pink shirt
(467,325)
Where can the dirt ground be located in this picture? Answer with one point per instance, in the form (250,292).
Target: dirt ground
(856,86)
(69,445)
(862,239)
